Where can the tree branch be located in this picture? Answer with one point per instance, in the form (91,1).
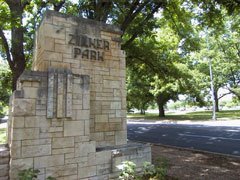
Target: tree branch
(133,12)
(7,49)
(224,95)
(139,30)
(25,3)
(58,6)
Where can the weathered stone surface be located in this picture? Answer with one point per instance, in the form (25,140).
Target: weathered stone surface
(26,133)
(60,96)
(73,177)
(19,164)
(87,172)
(101,118)
(66,122)
(36,142)
(52,56)
(54,31)
(4,168)
(34,151)
(83,115)
(69,96)
(30,92)
(63,151)
(54,129)
(50,99)
(104,169)
(84,148)
(73,128)
(63,142)
(111,84)
(15,149)
(49,42)
(24,107)
(81,138)
(59,171)
(4,178)
(18,122)
(103,156)
(48,161)
(116,105)
(121,137)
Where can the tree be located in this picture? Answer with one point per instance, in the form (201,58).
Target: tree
(131,16)
(222,49)
(5,87)
(159,69)
(138,95)
(11,19)
(136,20)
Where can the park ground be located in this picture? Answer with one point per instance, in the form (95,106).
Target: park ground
(182,163)
(186,164)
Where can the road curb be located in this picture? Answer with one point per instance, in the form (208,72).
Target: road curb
(192,150)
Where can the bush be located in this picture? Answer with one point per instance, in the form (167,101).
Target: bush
(149,171)
(128,171)
(28,174)
(5,88)
(31,174)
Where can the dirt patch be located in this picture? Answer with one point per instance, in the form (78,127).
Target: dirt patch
(189,164)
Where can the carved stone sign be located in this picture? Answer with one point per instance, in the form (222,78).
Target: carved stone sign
(87,47)
(68,116)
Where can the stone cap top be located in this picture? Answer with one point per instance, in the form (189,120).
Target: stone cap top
(101,25)
(32,76)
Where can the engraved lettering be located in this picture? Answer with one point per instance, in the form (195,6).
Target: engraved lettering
(92,43)
(99,44)
(84,41)
(106,45)
(85,54)
(76,52)
(88,45)
(93,55)
(72,40)
(100,56)
(78,40)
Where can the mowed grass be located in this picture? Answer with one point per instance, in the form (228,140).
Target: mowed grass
(3,136)
(193,116)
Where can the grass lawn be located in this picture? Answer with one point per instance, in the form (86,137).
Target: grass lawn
(201,115)
(3,136)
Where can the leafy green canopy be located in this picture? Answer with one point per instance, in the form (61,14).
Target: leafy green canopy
(183,18)
(5,87)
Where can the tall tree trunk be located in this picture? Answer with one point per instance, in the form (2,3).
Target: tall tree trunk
(17,60)
(17,48)
(142,111)
(161,101)
(161,110)
(215,93)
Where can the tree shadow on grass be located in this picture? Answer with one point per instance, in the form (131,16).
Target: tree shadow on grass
(192,116)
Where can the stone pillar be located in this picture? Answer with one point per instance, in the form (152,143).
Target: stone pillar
(90,48)
(49,125)
(68,115)
(4,162)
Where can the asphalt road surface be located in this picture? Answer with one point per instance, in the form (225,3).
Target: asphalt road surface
(220,139)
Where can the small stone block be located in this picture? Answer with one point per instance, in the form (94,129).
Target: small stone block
(73,128)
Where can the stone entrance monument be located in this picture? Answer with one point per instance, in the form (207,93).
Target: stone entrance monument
(68,115)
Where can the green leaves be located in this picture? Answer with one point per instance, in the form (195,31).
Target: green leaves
(28,174)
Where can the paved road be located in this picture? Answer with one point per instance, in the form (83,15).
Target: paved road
(220,139)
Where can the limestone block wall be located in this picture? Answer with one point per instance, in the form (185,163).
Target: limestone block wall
(88,48)
(49,125)
(68,115)
(4,162)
